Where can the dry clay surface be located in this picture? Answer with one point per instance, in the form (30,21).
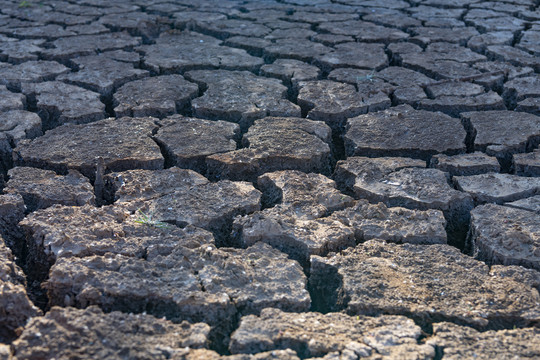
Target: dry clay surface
(269,179)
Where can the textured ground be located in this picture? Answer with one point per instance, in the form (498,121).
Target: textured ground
(269,179)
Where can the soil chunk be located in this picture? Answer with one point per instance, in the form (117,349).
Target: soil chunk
(102,74)
(60,103)
(14,76)
(276,143)
(64,332)
(497,188)
(513,55)
(521,88)
(236,96)
(427,35)
(201,284)
(122,143)
(65,48)
(502,133)
(290,71)
(527,164)
(393,224)
(19,125)
(334,102)
(355,55)
(15,307)
(12,211)
(173,53)
(531,204)
(298,237)
(292,187)
(223,28)
(429,283)
(403,131)
(531,105)
(511,239)
(69,231)
(183,197)
(157,96)
(459,341)
(297,49)
(10,100)
(454,105)
(189,141)
(465,164)
(19,51)
(43,188)
(315,335)
(402,183)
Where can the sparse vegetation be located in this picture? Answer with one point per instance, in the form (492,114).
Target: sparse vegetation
(368,77)
(147,219)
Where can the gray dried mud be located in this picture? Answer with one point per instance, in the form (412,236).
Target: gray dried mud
(278,179)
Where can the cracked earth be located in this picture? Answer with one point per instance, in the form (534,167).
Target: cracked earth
(269,179)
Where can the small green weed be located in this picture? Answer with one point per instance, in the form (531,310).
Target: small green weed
(25,4)
(147,219)
(368,77)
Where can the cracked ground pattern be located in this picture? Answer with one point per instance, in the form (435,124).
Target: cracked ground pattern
(269,179)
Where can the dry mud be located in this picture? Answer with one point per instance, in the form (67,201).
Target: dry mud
(269,179)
